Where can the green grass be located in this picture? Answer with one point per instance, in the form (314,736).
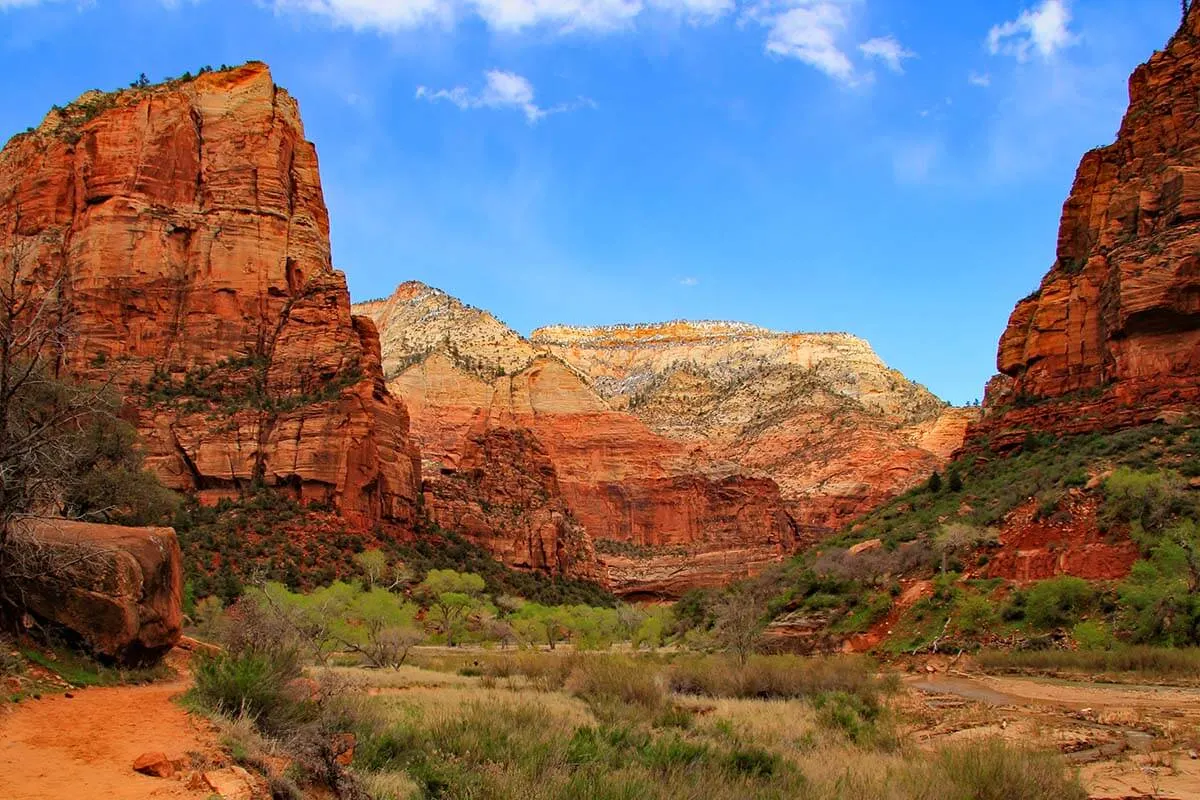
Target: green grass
(82,670)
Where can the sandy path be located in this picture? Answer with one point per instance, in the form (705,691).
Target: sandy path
(83,748)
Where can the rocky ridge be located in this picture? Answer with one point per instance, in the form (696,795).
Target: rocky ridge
(1111,337)
(465,376)
(821,414)
(671,441)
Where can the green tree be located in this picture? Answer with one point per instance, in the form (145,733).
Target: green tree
(653,630)
(381,627)
(451,597)
(1160,600)
(935,482)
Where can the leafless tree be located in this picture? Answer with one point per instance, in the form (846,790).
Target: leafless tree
(741,618)
(41,416)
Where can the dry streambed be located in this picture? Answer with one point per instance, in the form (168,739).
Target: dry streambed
(1129,741)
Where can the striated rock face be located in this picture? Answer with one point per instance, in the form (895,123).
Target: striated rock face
(503,494)
(1112,336)
(820,414)
(468,379)
(184,225)
(120,590)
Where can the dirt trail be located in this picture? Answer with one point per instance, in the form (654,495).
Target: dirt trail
(83,748)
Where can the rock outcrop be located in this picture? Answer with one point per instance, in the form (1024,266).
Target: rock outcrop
(119,590)
(470,381)
(185,228)
(1111,338)
(820,414)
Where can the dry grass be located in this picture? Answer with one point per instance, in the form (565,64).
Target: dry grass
(1157,663)
(391,786)
(586,727)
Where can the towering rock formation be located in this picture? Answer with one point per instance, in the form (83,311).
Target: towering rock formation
(688,452)
(821,414)
(1111,338)
(184,226)
(661,518)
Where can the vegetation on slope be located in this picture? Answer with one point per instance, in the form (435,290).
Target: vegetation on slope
(266,536)
(928,575)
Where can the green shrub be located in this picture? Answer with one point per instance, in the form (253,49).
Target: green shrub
(1093,636)
(974,615)
(754,762)
(1160,600)
(853,716)
(1058,602)
(252,685)
(1148,498)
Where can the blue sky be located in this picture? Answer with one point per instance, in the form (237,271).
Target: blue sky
(891,168)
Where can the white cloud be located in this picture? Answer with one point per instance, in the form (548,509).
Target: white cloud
(689,282)
(1045,29)
(384,15)
(503,90)
(888,50)
(981,79)
(811,31)
(698,11)
(808,31)
(502,15)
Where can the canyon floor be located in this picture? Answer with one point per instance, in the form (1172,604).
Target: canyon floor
(60,748)
(1127,740)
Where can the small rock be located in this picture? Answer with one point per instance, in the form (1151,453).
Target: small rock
(194,781)
(1193,755)
(865,547)
(343,745)
(69,696)
(156,765)
(233,783)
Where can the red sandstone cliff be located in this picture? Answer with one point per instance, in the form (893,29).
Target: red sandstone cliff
(186,228)
(820,414)
(1111,338)
(661,518)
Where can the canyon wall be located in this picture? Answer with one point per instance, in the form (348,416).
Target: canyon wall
(465,377)
(1111,338)
(184,227)
(820,414)
(691,454)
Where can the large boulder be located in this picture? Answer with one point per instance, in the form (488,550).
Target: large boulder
(118,590)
